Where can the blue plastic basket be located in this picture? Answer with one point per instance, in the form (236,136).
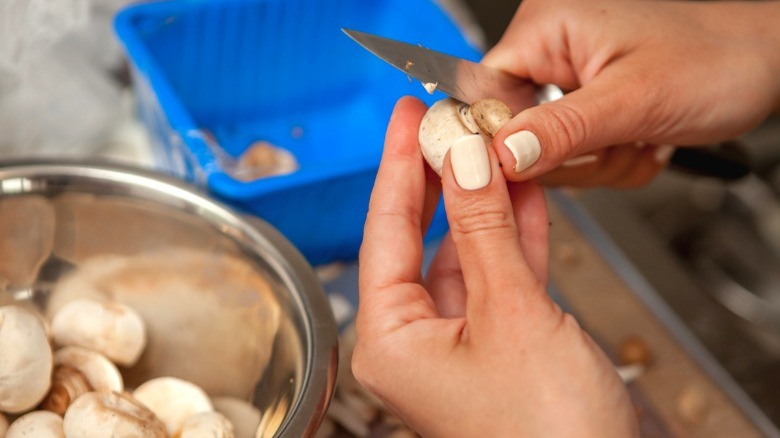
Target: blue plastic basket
(280,71)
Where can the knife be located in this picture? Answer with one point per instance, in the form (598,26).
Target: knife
(469,82)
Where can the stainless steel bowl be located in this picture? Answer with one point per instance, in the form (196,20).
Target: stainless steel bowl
(295,388)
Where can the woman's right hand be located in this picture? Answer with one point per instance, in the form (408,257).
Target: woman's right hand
(655,72)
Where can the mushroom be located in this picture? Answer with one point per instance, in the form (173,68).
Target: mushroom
(67,385)
(173,400)
(26,362)
(206,425)
(102,414)
(38,424)
(226,297)
(244,415)
(78,370)
(448,120)
(110,328)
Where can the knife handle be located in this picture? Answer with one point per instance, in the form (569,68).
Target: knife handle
(728,161)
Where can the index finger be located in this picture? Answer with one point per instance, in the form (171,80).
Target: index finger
(392,250)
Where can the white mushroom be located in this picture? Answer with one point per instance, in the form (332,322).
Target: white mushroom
(77,371)
(111,414)
(191,302)
(173,400)
(113,329)
(207,425)
(448,120)
(37,424)
(25,359)
(244,415)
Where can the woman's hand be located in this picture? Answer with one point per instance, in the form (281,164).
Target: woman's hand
(655,72)
(477,348)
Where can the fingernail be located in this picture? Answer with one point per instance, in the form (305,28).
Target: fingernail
(663,153)
(579,161)
(470,163)
(640,144)
(525,147)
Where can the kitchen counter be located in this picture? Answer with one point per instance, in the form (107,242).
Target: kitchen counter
(685,392)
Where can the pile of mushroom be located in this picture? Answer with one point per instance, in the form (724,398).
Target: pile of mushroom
(65,374)
(70,386)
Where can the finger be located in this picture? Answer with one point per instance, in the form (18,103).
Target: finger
(651,161)
(444,281)
(483,228)
(543,137)
(574,170)
(544,58)
(533,228)
(624,166)
(391,253)
(616,162)
(432,197)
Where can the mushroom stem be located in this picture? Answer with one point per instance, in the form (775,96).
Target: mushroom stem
(67,385)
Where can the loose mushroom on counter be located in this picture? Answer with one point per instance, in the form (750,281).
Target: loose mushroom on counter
(26,365)
(37,424)
(448,120)
(113,329)
(102,414)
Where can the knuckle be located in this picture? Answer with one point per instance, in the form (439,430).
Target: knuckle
(480,218)
(567,128)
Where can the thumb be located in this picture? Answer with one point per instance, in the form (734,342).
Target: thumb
(604,112)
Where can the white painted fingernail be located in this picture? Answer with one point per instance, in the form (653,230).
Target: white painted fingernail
(525,147)
(581,160)
(663,153)
(470,163)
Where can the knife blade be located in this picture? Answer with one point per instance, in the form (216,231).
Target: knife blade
(459,78)
(469,82)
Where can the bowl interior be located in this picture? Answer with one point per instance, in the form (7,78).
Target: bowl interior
(57,219)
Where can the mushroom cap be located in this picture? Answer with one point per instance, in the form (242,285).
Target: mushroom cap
(102,414)
(26,359)
(440,127)
(101,373)
(207,425)
(490,115)
(173,400)
(113,329)
(244,415)
(38,424)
